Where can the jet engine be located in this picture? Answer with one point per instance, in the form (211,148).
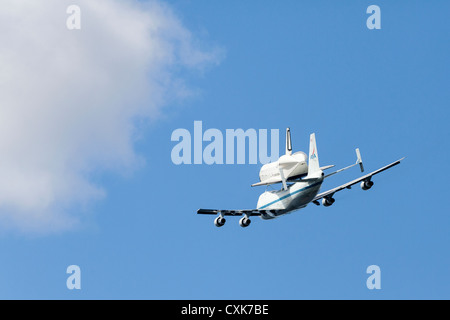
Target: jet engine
(366,185)
(327,201)
(219,221)
(244,222)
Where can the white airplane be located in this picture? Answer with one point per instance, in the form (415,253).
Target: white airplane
(304,185)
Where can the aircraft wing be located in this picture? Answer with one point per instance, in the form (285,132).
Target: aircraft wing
(248,212)
(292,179)
(348,185)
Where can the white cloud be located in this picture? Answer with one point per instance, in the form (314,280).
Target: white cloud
(68,98)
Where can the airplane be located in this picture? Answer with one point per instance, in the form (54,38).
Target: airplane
(305,181)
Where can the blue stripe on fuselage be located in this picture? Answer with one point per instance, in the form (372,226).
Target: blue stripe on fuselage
(291,194)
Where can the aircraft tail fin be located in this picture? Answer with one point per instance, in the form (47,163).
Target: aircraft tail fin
(288,142)
(313,165)
(359,160)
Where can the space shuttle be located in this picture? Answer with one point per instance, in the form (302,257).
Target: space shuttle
(292,167)
(306,176)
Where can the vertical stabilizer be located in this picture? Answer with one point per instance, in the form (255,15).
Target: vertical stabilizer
(359,160)
(288,142)
(313,165)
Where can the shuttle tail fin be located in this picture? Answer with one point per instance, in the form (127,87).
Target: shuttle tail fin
(288,142)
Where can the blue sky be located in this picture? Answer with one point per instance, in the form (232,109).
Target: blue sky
(312,66)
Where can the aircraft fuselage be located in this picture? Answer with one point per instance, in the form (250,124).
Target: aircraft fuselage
(297,196)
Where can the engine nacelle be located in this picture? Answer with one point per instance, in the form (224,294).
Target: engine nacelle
(328,201)
(244,222)
(219,221)
(366,185)
(294,165)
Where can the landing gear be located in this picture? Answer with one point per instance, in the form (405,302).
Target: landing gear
(244,222)
(219,221)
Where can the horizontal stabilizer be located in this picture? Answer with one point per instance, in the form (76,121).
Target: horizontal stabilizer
(267,182)
(348,185)
(358,161)
(278,180)
(340,170)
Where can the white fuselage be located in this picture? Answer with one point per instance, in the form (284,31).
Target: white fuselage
(291,166)
(297,196)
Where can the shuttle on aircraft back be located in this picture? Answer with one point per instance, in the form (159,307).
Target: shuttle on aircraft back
(301,178)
